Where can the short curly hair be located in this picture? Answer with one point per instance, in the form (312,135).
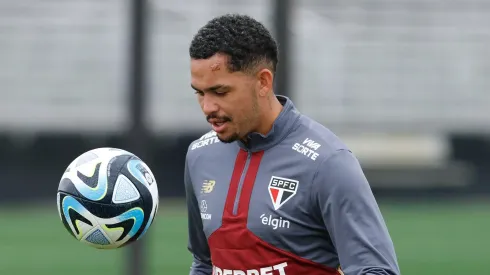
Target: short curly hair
(243,39)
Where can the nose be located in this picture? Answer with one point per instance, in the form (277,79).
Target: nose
(209,104)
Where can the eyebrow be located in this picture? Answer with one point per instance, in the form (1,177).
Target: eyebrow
(212,88)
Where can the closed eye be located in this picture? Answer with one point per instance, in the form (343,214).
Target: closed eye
(219,90)
(221,93)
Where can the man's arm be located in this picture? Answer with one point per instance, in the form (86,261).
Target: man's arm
(197,243)
(352,217)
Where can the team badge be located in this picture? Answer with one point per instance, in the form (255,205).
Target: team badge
(282,190)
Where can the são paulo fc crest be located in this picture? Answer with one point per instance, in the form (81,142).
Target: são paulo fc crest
(281,190)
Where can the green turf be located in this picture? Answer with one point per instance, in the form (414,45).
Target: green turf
(447,238)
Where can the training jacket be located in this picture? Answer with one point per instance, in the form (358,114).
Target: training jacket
(293,202)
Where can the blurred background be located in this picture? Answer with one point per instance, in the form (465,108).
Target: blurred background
(405,83)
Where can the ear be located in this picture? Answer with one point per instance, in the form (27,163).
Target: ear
(266,79)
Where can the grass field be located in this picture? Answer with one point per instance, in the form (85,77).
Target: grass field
(443,238)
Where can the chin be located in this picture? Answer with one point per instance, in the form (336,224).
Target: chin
(227,138)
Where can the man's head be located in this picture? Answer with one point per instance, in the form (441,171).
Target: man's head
(233,61)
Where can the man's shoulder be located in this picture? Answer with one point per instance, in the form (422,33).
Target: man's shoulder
(333,154)
(206,145)
(313,135)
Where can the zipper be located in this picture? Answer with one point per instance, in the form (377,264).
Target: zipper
(240,184)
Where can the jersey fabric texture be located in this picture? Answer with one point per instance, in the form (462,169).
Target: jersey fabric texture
(292,202)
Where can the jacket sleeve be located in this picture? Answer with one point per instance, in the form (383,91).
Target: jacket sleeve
(352,217)
(197,241)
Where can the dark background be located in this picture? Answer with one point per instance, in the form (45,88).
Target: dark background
(36,166)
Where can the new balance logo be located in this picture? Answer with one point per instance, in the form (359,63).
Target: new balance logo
(208,186)
(281,190)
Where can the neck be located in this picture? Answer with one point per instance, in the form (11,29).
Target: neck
(269,115)
(276,122)
(271,110)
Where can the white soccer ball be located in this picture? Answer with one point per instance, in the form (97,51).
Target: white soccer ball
(107,198)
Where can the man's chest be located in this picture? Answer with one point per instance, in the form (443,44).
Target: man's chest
(269,193)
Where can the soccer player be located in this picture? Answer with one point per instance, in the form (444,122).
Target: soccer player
(269,190)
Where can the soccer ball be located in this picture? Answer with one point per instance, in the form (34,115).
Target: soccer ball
(107,198)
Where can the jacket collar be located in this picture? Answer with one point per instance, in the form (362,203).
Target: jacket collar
(282,126)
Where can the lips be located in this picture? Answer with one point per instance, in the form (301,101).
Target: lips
(219,126)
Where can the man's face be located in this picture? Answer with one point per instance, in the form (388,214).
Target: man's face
(229,101)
